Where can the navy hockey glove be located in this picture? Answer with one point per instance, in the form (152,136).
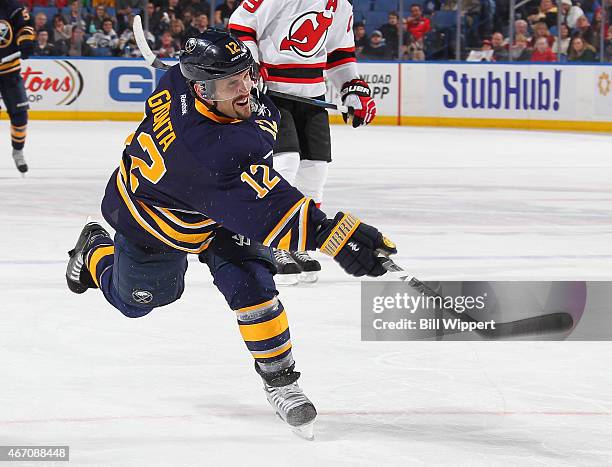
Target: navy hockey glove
(356,95)
(26,49)
(354,245)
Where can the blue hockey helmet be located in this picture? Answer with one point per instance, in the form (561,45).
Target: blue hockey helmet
(212,56)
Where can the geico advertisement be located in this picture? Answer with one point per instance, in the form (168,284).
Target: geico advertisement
(502,91)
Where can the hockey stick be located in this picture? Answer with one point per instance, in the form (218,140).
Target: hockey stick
(155,62)
(10,57)
(544,324)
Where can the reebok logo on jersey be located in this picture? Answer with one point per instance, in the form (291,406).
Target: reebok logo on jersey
(353,246)
(308,33)
(183,104)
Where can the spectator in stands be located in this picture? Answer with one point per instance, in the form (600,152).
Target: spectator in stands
(547,12)
(580,50)
(500,49)
(198,6)
(542,51)
(173,9)
(75,17)
(167,47)
(596,28)
(199,26)
(127,46)
(570,13)
(126,7)
(95,22)
(42,47)
(60,36)
(224,11)
(361,39)
(485,54)
(391,32)
(105,42)
(40,22)
(416,24)
(608,46)
(521,27)
(177,29)
(376,48)
(78,47)
(565,41)
(156,25)
(583,27)
(541,30)
(520,50)
(188,18)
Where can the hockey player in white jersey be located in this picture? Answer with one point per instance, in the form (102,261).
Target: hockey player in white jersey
(295,42)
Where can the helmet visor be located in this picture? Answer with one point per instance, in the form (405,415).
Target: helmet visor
(229,88)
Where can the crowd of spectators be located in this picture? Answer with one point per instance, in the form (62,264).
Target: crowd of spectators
(427,32)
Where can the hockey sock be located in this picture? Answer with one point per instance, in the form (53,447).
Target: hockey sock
(19,124)
(265,330)
(311,178)
(287,164)
(99,259)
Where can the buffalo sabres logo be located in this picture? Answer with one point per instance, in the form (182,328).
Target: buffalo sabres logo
(308,33)
(142,296)
(191,45)
(6,34)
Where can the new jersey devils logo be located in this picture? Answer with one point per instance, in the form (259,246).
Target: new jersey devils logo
(307,34)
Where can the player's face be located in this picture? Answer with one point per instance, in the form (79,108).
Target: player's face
(233,95)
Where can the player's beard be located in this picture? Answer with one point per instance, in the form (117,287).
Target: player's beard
(239,107)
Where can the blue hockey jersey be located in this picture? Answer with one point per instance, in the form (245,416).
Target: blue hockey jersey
(15,31)
(187,170)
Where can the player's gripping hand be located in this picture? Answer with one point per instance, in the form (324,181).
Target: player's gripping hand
(357,94)
(27,49)
(354,245)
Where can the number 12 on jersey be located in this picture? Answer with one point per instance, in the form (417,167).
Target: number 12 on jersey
(267,183)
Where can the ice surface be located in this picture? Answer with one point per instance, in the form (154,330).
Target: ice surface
(176,388)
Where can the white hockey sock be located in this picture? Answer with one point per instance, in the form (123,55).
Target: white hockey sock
(311,179)
(287,164)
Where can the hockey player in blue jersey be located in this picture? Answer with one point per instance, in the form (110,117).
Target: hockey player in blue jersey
(16,41)
(196,177)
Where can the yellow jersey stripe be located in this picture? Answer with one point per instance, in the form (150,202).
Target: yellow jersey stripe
(283,222)
(129,139)
(170,232)
(136,215)
(95,258)
(274,353)
(11,64)
(213,116)
(285,243)
(265,330)
(166,212)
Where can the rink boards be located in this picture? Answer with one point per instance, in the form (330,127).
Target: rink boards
(532,96)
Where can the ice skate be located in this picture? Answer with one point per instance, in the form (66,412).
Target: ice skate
(288,271)
(20,162)
(310,266)
(289,401)
(77,275)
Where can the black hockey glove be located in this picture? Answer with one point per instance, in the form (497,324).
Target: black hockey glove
(354,245)
(26,49)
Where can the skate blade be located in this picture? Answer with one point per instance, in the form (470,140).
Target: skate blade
(286,279)
(305,431)
(309,277)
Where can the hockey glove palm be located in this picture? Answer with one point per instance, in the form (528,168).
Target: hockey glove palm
(356,94)
(354,245)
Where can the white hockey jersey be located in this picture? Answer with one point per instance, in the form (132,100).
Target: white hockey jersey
(296,41)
